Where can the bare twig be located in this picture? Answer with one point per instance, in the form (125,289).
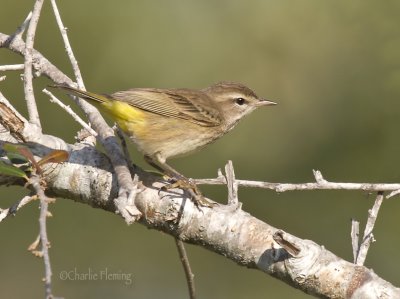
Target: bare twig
(393,193)
(13,209)
(127,187)
(45,245)
(355,241)
(368,237)
(68,47)
(28,75)
(11,67)
(123,144)
(106,134)
(44,203)
(186,267)
(232,185)
(20,30)
(40,63)
(68,109)
(321,184)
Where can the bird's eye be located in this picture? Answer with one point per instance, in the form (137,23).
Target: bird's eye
(240,101)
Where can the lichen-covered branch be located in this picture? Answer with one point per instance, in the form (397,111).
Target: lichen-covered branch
(88,177)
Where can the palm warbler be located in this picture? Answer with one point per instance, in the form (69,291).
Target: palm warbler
(166,123)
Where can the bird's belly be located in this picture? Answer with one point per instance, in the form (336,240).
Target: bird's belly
(168,137)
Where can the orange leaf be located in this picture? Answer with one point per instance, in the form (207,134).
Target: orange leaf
(55,156)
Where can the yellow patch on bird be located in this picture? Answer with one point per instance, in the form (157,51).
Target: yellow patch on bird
(129,118)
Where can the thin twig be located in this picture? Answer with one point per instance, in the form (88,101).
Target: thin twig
(127,188)
(45,245)
(368,237)
(68,47)
(106,134)
(393,193)
(124,146)
(318,185)
(44,203)
(186,267)
(13,209)
(232,185)
(355,241)
(20,30)
(68,109)
(11,67)
(28,74)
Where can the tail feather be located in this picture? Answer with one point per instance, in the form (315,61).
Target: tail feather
(86,95)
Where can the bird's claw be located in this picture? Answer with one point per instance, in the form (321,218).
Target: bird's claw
(187,184)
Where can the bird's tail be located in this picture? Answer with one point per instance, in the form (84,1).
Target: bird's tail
(86,95)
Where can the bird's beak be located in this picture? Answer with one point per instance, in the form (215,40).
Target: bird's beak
(264,102)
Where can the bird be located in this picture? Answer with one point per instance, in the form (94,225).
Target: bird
(168,123)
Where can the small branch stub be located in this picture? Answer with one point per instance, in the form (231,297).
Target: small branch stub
(355,235)
(232,185)
(318,177)
(368,237)
(286,242)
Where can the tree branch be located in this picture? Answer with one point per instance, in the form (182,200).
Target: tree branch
(28,74)
(320,184)
(233,234)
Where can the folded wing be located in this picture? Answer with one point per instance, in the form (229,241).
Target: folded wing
(194,106)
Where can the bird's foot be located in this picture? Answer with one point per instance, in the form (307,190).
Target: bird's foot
(187,184)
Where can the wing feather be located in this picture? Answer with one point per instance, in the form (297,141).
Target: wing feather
(194,106)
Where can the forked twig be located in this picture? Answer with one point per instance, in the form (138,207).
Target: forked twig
(368,237)
(319,184)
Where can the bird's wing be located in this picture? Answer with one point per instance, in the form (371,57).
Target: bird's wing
(194,106)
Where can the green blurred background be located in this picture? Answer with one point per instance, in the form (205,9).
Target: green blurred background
(334,69)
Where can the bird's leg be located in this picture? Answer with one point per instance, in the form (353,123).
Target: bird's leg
(160,165)
(180,181)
